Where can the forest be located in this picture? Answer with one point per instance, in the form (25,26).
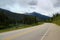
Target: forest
(16,21)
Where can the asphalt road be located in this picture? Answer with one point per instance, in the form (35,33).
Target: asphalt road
(46,31)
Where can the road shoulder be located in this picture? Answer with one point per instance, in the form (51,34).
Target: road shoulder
(53,34)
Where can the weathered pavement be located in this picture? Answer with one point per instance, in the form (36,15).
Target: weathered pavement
(54,33)
(46,31)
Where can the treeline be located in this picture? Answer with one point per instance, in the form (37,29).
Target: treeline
(8,19)
(56,19)
(6,22)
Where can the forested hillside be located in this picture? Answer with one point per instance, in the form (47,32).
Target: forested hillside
(56,19)
(9,19)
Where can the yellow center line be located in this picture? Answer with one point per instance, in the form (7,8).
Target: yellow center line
(20,34)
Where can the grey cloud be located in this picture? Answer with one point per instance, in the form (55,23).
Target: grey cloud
(33,2)
(57,3)
(45,7)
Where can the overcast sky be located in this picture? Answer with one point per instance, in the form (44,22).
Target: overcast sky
(46,7)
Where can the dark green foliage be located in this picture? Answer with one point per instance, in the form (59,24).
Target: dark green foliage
(6,22)
(14,20)
(56,19)
(29,20)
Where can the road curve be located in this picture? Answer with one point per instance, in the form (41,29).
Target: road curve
(40,32)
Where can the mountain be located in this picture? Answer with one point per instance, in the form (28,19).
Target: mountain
(18,16)
(11,17)
(38,15)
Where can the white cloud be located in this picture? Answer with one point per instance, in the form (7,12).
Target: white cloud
(46,7)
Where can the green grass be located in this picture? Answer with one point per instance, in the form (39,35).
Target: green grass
(13,28)
(57,22)
(21,26)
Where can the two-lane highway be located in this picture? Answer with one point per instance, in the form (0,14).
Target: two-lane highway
(32,33)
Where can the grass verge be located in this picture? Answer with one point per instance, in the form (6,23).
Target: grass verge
(21,26)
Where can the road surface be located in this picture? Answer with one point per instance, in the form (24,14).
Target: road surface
(46,31)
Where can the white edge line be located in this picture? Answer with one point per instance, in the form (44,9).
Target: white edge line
(45,34)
